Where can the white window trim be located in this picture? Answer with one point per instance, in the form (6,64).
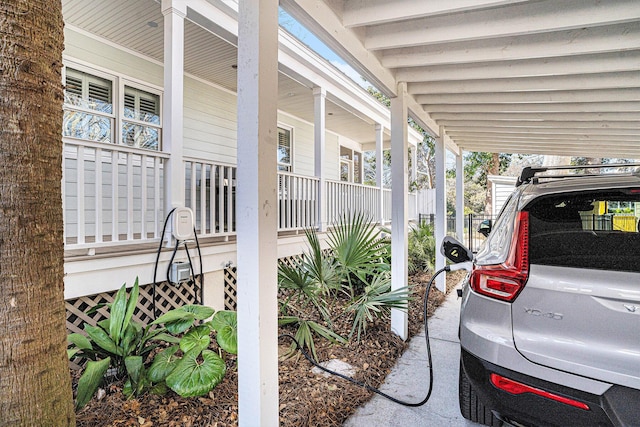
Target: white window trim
(119,81)
(291,145)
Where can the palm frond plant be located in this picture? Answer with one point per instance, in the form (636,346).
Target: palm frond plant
(376,302)
(359,250)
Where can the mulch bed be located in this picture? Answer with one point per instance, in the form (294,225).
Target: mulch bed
(306,399)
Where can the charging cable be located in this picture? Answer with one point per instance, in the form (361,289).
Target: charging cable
(453,267)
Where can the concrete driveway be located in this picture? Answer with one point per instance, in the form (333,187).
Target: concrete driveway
(410,378)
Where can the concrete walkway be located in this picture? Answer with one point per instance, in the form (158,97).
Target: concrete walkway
(409,379)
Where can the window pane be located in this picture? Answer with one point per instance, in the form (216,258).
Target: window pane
(89,92)
(77,124)
(344,171)
(140,136)
(284,149)
(141,105)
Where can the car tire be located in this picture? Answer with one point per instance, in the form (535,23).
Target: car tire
(470,405)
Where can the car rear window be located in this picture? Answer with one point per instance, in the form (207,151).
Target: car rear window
(593,230)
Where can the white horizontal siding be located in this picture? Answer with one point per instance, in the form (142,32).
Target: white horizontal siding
(108,57)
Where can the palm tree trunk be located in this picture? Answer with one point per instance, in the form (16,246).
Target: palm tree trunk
(34,371)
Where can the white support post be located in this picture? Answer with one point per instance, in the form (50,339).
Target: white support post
(441,206)
(319,103)
(256,213)
(399,197)
(460,198)
(174,12)
(379,171)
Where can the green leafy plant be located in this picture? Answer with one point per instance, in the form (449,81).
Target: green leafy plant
(359,251)
(376,302)
(421,248)
(125,346)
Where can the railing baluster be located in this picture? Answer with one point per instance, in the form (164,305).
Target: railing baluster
(98,195)
(143,196)
(80,195)
(129,196)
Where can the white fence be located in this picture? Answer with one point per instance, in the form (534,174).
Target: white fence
(111,194)
(114,195)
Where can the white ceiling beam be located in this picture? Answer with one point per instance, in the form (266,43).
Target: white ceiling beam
(318,18)
(546,139)
(580,41)
(610,62)
(422,117)
(580,116)
(585,107)
(556,137)
(462,130)
(580,150)
(547,97)
(574,82)
(369,12)
(479,125)
(519,19)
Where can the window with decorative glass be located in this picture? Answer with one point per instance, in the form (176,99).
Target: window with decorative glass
(141,121)
(89,112)
(88,109)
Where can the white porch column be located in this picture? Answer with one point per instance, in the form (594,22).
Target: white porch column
(319,104)
(399,197)
(379,171)
(459,198)
(257,207)
(441,206)
(174,12)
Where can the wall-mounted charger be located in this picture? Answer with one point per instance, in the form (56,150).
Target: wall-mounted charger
(183,223)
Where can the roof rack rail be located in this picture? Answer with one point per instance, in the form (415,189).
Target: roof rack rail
(531,172)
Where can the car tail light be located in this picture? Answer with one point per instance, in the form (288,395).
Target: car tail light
(505,281)
(514,387)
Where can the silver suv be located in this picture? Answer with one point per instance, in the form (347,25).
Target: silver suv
(550,317)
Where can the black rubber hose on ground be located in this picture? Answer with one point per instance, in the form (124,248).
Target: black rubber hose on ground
(373,389)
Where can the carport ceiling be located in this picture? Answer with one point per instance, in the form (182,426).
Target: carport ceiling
(545,77)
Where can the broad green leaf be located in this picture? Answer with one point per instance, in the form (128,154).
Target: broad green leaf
(166,337)
(197,338)
(95,308)
(90,380)
(163,364)
(180,326)
(159,389)
(134,367)
(104,324)
(129,339)
(226,325)
(131,304)
(194,377)
(201,312)
(80,341)
(117,312)
(101,338)
(72,352)
(173,316)
(127,389)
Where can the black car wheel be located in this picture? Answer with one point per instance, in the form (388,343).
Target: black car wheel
(470,405)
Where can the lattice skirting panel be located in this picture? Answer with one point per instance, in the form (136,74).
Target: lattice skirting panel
(167,297)
(230,283)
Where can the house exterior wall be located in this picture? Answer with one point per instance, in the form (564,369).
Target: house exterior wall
(210,134)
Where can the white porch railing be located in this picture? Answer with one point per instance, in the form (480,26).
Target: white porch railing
(345,197)
(298,206)
(211,193)
(112,194)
